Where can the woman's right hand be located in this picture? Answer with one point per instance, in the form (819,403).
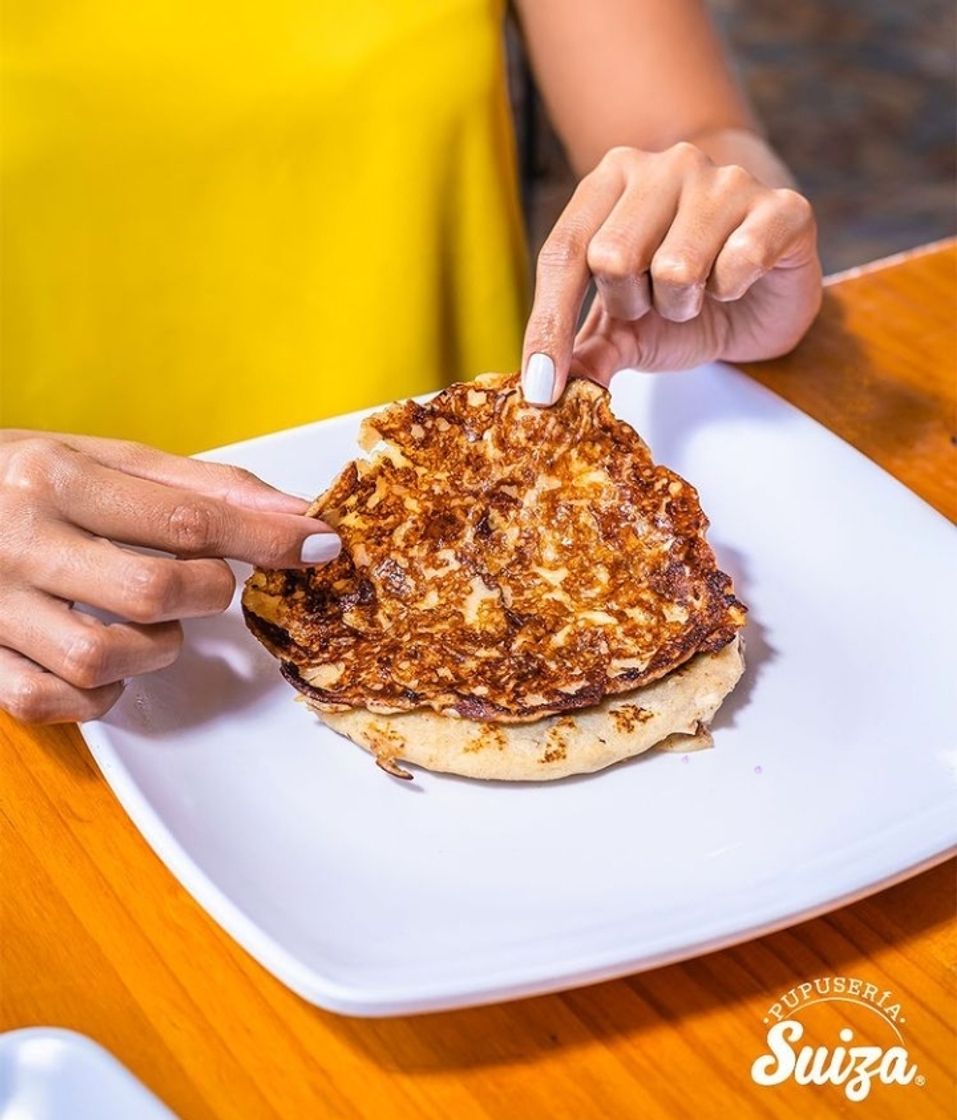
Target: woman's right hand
(71,510)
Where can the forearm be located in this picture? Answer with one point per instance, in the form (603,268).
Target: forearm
(644,74)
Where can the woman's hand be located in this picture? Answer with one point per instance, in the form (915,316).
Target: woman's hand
(692,262)
(68,507)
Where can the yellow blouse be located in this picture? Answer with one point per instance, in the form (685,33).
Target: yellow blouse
(224,218)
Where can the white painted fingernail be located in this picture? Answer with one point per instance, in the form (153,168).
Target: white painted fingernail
(538,381)
(320,548)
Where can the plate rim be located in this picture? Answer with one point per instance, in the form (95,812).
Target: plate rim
(380,1001)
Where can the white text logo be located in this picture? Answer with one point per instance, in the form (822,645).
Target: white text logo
(852,1066)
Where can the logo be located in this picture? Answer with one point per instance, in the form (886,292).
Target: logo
(867,1052)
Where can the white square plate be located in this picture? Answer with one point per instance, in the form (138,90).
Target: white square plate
(833,772)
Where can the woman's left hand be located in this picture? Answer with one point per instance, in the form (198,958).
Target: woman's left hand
(692,262)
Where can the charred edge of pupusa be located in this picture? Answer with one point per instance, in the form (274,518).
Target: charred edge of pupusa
(722,584)
(391,767)
(332,701)
(290,670)
(273,636)
(388,762)
(481,710)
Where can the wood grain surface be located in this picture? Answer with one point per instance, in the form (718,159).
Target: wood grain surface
(99,937)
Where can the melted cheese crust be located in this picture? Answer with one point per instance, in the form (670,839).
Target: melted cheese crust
(501,562)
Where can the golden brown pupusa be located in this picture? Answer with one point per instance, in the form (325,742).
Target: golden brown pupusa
(500,562)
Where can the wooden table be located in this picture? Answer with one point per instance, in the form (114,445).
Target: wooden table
(98,936)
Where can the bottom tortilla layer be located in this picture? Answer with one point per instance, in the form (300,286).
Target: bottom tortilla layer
(672,713)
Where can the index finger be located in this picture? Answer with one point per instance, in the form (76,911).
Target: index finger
(138,511)
(561,281)
(234,485)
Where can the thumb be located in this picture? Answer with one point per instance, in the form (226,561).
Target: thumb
(604,346)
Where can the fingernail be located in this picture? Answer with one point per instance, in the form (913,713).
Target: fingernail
(538,381)
(320,548)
